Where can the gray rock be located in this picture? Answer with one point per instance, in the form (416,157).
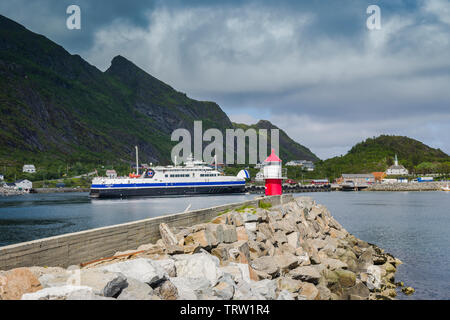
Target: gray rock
(244,291)
(360,290)
(266,264)
(334,264)
(306,273)
(266,288)
(190,288)
(144,270)
(248,217)
(294,239)
(287,262)
(285,295)
(136,290)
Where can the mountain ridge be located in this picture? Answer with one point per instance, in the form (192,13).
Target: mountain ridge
(56,107)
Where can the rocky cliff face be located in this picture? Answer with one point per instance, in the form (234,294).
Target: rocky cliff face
(297,251)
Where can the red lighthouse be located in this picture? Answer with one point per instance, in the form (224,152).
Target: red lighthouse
(273,175)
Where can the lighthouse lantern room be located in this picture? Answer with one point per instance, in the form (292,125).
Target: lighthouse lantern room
(273,175)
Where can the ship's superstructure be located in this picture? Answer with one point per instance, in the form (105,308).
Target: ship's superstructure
(193,178)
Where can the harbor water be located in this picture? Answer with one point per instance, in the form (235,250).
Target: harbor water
(413,226)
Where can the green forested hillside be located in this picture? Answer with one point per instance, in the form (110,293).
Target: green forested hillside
(377,154)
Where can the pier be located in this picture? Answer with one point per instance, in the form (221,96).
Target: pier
(297,188)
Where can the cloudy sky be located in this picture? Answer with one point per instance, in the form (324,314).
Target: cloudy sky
(312,67)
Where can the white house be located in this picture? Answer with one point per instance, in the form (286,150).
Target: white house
(305,164)
(29,168)
(396,169)
(2,177)
(25,185)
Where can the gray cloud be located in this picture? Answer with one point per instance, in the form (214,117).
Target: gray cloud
(310,67)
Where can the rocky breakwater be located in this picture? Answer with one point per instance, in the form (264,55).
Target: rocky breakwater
(296,251)
(11,192)
(411,186)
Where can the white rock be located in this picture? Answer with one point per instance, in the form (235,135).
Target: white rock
(168,265)
(251,226)
(59,293)
(374,277)
(144,270)
(198,265)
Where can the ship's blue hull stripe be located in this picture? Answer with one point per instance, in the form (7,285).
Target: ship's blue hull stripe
(168,184)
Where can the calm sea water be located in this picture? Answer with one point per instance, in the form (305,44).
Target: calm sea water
(413,226)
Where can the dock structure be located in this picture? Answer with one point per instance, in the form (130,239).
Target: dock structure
(288,188)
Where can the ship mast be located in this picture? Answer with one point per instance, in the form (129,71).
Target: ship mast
(137,161)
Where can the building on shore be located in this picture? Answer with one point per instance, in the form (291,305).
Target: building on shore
(396,169)
(379,176)
(305,164)
(25,185)
(357,179)
(29,168)
(2,177)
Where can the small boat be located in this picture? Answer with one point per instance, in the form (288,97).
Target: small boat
(446,188)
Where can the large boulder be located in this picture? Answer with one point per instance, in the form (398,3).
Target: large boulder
(60,293)
(346,278)
(289,284)
(136,290)
(167,235)
(144,270)
(16,282)
(266,265)
(205,238)
(223,233)
(306,273)
(309,291)
(198,265)
(168,265)
(266,288)
(190,288)
(104,283)
(224,290)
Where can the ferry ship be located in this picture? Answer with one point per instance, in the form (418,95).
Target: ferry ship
(193,178)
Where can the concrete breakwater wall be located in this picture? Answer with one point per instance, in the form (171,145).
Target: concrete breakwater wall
(424,186)
(74,248)
(59,190)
